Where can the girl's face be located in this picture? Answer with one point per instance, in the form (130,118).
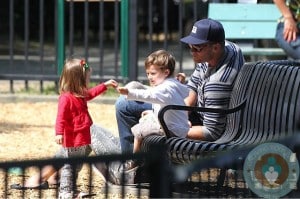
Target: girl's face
(155,75)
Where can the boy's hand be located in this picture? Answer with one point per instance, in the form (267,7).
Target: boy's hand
(123,90)
(111,83)
(146,112)
(59,139)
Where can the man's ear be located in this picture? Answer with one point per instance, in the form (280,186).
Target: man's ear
(216,46)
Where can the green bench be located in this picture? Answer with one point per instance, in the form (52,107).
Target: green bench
(246,24)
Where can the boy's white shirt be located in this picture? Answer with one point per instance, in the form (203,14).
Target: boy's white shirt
(170,91)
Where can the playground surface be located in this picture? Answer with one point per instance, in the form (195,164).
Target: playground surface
(27,133)
(27,128)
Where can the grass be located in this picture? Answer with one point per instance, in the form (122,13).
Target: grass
(49,88)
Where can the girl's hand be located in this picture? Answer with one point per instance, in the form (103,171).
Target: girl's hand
(59,139)
(123,90)
(111,83)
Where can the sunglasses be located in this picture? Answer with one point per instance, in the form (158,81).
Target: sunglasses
(84,65)
(198,48)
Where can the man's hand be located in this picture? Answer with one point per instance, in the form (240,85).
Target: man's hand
(181,77)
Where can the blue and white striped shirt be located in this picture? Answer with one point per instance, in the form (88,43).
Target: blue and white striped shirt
(214,86)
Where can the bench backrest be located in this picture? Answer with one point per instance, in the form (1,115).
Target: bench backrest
(246,21)
(272,110)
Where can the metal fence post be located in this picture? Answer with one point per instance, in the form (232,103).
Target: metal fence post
(60,36)
(124,38)
(160,172)
(129,39)
(132,32)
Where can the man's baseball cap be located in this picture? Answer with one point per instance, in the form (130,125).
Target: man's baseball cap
(205,30)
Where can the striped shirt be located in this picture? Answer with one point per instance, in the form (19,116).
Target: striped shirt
(214,86)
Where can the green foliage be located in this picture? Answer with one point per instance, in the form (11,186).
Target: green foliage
(111,92)
(47,90)
(50,90)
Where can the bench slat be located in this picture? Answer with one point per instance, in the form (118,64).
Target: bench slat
(262,51)
(243,12)
(245,22)
(249,29)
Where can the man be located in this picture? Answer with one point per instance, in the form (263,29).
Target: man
(217,65)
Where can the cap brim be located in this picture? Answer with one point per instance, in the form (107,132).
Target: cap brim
(192,40)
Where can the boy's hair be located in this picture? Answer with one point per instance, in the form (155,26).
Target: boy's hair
(162,59)
(73,77)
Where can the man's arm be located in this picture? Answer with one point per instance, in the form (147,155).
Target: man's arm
(191,99)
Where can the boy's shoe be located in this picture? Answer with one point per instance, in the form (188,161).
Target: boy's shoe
(122,173)
(129,165)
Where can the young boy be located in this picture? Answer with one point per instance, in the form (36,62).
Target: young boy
(164,90)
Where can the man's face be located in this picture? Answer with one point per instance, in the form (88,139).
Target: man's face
(201,53)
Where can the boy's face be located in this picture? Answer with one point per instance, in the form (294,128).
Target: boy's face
(155,75)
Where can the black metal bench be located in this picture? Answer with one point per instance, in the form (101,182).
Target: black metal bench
(265,106)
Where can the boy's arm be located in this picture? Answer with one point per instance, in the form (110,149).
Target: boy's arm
(123,90)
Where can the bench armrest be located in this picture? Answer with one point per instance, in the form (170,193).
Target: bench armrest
(194,108)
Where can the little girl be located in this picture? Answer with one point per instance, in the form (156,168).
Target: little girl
(73,120)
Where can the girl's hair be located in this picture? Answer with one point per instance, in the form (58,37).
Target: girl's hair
(162,59)
(74,77)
